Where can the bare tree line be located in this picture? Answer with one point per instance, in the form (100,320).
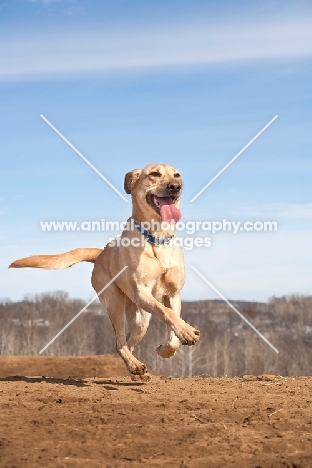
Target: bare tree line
(227,346)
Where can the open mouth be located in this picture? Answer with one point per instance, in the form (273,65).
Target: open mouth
(165,207)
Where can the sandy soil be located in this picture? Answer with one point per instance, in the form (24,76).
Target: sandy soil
(84,412)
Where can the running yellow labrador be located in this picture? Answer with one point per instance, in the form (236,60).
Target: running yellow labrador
(154,276)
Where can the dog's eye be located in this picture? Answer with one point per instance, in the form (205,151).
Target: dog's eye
(155,174)
(177,175)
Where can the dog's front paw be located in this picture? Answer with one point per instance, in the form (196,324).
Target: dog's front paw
(166,351)
(140,378)
(187,335)
(137,368)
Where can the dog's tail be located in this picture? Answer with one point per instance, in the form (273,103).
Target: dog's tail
(55,262)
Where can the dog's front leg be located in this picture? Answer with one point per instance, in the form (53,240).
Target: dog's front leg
(114,301)
(169,349)
(185,332)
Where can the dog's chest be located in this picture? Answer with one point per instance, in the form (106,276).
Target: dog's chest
(166,256)
(171,268)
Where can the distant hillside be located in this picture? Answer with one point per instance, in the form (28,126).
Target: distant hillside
(227,345)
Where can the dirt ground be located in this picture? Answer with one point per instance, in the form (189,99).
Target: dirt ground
(84,411)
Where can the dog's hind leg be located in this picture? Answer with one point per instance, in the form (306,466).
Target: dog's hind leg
(114,301)
(169,349)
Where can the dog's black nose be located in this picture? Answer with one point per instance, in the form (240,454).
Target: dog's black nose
(174,188)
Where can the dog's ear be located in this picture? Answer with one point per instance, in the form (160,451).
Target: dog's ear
(130,180)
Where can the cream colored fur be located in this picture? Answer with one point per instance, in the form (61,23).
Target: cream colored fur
(60,261)
(152,282)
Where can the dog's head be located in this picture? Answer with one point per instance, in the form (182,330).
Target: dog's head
(156,192)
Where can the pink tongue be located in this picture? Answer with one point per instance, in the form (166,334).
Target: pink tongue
(168,211)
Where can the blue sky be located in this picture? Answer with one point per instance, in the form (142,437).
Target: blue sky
(181,82)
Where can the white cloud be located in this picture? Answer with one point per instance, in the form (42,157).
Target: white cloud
(192,45)
(252,266)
